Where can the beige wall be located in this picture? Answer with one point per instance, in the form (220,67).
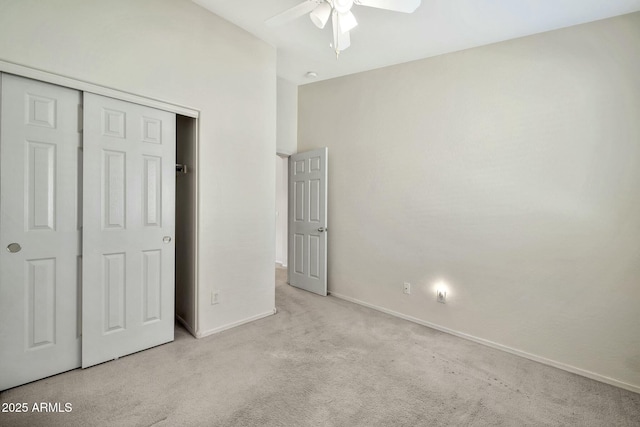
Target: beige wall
(286,144)
(287,117)
(511,172)
(175,51)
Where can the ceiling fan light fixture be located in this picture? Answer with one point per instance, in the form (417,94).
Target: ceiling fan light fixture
(347,21)
(320,15)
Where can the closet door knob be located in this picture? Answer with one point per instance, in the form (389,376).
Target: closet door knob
(14,247)
(166,239)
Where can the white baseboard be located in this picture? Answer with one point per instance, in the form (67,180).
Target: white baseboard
(234,324)
(186,325)
(545,361)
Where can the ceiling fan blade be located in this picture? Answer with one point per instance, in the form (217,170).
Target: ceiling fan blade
(406,6)
(293,13)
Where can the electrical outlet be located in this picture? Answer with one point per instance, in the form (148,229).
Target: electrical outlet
(407,288)
(441,296)
(215,297)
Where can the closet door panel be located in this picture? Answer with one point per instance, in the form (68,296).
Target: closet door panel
(129,226)
(40,145)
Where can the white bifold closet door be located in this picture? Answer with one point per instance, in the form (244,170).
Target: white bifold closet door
(129,226)
(40,247)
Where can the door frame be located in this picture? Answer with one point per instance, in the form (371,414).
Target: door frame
(283,208)
(84,86)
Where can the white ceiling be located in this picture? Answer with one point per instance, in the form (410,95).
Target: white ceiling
(384,38)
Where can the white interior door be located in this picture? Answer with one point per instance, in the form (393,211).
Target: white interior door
(40,149)
(129,225)
(308,220)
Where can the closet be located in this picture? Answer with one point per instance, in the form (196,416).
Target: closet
(87,228)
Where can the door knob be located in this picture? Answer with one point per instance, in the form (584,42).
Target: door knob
(322,229)
(14,247)
(166,239)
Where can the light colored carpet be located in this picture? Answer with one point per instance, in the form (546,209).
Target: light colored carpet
(324,362)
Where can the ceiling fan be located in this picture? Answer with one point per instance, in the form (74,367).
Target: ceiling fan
(342,19)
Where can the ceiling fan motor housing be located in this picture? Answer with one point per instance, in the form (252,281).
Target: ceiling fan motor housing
(342,6)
